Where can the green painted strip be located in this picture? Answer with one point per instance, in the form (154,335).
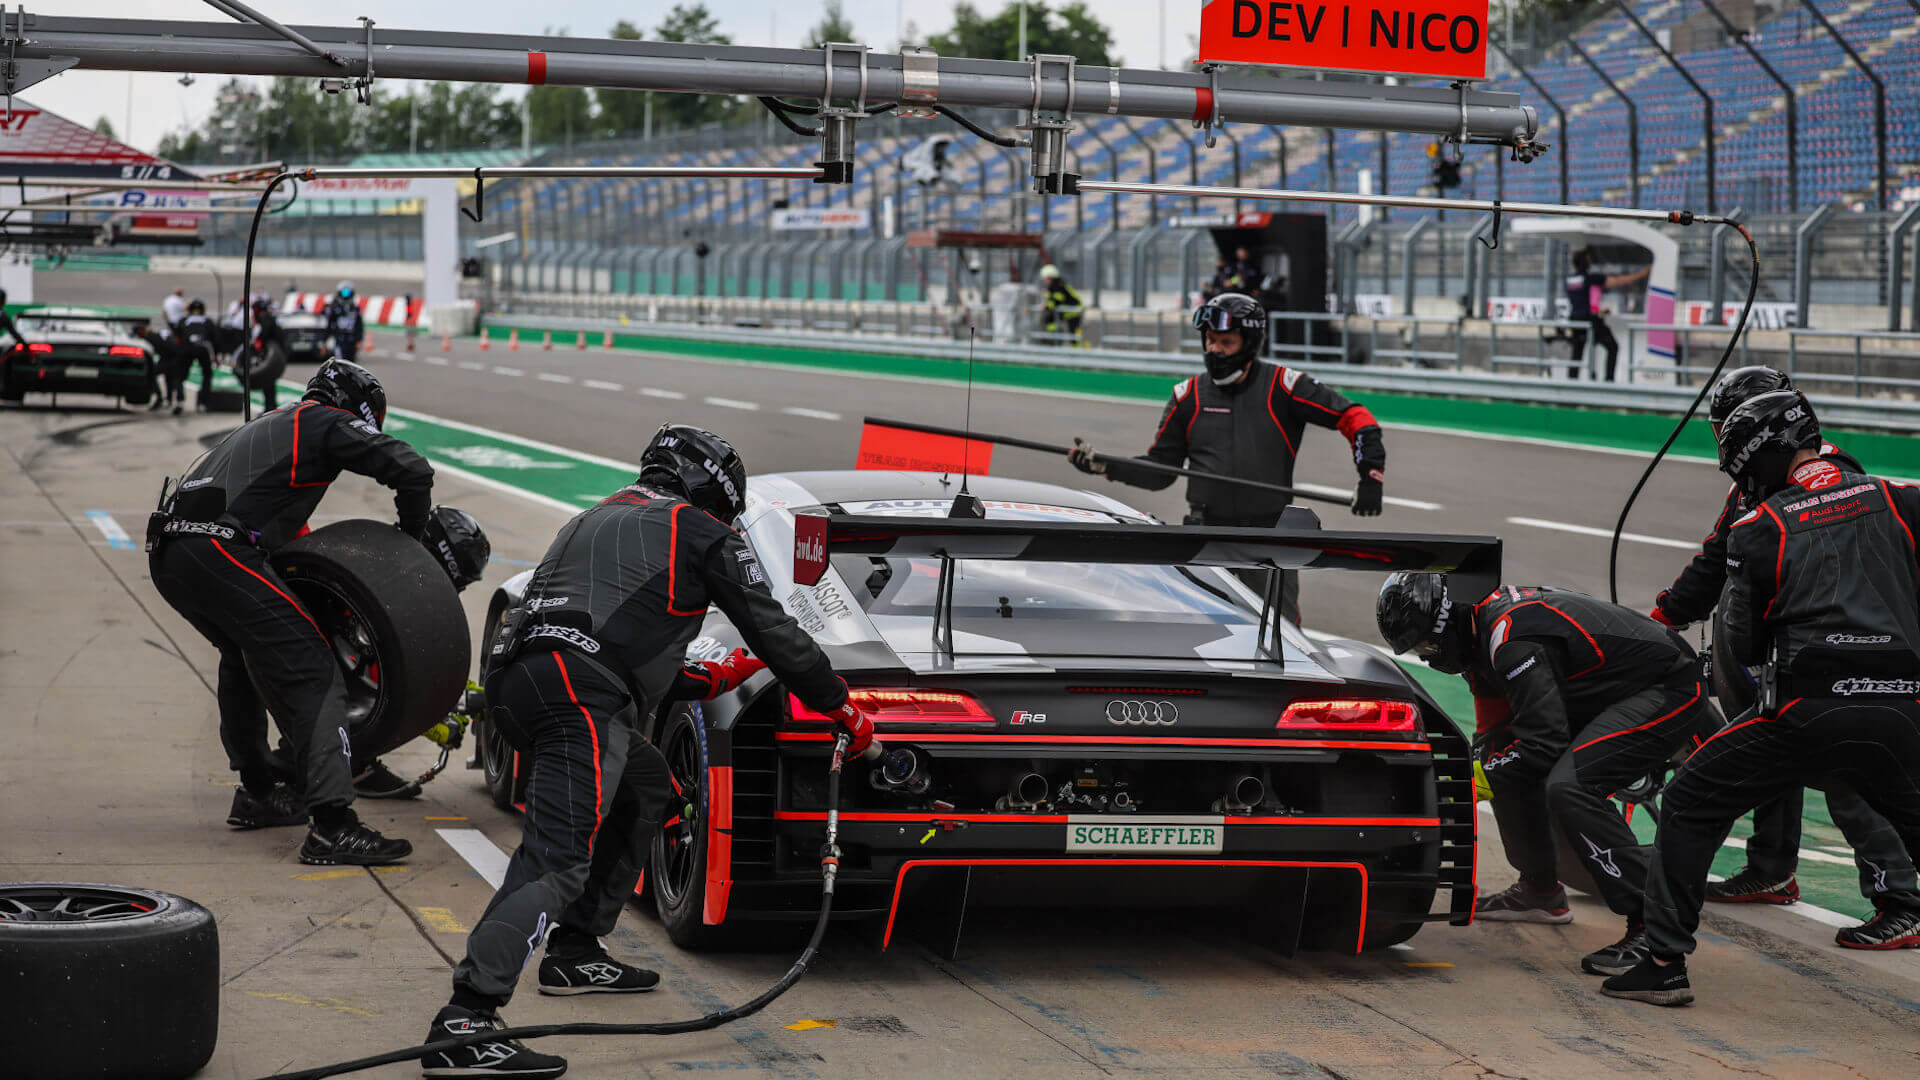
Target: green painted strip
(1893,454)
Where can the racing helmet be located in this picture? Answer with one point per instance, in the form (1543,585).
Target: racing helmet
(1760,437)
(345,289)
(196,306)
(1232,312)
(1418,614)
(461,545)
(344,384)
(1741,384)
(700,465)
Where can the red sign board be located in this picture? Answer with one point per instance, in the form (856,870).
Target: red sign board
(1438,38)
(916,451)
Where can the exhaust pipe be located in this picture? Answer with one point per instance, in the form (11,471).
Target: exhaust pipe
(1028,791)
(1243,793)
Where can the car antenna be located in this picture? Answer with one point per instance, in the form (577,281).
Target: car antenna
(965,504)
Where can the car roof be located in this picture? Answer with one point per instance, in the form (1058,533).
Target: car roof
(862,485)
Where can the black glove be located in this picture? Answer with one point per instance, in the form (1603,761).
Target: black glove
(1366,497)
(1081,456)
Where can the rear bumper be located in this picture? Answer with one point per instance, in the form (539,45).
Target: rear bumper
(62,375)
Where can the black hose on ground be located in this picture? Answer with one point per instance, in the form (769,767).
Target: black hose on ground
(829,864)
(1706,387)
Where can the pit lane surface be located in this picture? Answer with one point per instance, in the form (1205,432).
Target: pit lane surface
(113,773)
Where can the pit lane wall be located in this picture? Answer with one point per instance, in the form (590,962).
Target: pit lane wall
(1625,417)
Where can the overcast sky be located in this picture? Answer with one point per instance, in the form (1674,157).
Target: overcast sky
(144,106)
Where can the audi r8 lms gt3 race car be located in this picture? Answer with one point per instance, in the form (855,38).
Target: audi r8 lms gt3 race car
(72,350)
(1078,704)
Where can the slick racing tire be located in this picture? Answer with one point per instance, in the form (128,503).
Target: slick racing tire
(677,872)
(394,623)
(222,400)
(501,770)
(268,368)
(106,981)
(138,395)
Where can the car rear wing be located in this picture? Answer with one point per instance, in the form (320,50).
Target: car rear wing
(1474,560)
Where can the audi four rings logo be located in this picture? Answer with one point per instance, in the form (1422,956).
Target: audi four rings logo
(1142,712)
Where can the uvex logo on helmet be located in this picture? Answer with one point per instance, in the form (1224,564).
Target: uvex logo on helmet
(1446,611)
(1746,452)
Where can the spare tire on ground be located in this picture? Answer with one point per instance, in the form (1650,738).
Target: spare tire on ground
(266,368)
(106,981)
(395,624)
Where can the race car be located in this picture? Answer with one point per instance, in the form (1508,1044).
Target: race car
(73,350)
(306,334)
(1078,704)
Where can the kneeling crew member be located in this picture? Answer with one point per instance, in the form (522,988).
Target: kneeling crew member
(596,646)
(1886,868)
(1245,418)
(208,547)
(1823,588)
(1578,699)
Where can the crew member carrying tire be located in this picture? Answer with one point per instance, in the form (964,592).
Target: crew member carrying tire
(1245,418)
(345,323)
(598,643)
(1886,868)
(1575,699)
(208,545)
(1824,590)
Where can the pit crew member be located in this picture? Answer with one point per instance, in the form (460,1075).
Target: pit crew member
(1886,869)
(344,322)
(1245,417)
(1576,699)
(1824,590)
(598,643)
(208,545)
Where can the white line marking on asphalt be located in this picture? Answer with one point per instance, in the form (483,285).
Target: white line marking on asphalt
(733,403)
(440,360)
(817,414)
(472,365)
(548,376)
(472,845)
(670,395)
(514,371)
(596,384)
(1390,500)
(117,537)
(1588,530)
(440,465)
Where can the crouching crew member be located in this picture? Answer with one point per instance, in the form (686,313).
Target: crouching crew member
(1886,868)
(1577,699)
(208,546)
(1822,589)
(598,643)
(1245,418)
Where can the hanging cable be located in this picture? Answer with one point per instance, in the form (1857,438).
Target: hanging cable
(997,140)
(1706,387)
(780,108)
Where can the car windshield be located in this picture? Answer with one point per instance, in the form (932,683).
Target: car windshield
(1008,588)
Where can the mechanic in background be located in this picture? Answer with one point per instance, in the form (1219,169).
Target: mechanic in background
(1886,868)
(173,308)
(1244,417)
(207,548)
(1064,308)
(1585,304)
(200,338)
(1823,588)
(596,645)
(1575,699)
(344,322)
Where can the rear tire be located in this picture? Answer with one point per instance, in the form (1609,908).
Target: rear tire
(270,367)
(677,872)
(500,767)
(122,983)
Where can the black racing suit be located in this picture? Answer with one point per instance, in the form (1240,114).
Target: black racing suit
(347,326)
(1251,430)
(200,339)
(247,496)
(1885,866)
(598,643)
(1596,697)
(1822,588)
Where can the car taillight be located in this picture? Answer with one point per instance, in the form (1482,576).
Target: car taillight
(128,350)
(39,346)
(1351,715)
(904,706)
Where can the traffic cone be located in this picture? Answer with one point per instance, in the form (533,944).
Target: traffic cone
(580,340)
(446,342)
(546,341)
(606,339)
(513,339)
(486,342)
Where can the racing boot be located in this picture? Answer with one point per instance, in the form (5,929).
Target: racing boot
(498,1057)
(376,781)
(349,842)
(1749,886)
(1655,984)
(1890,928)
(577,964)
(1523,902)
(1619,957)
(281,805)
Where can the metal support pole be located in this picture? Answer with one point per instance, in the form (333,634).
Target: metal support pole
(1416,202)
(1407,241)
(1896,247)
(1717,267)
(1793,109)
(1479,269)
(1633,122)
(1803,235)
(1706,99)
(1879,102)
(1280,146)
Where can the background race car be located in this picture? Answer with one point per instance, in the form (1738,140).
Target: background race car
(306,335)
(74,350)
(1133,726)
